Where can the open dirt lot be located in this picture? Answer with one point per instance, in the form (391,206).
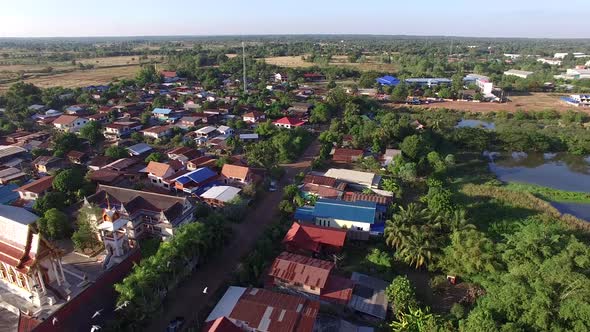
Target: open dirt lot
(531,102)
(339,60)
(81,78)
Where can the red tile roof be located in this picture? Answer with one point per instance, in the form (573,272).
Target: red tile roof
(221,324)
(300,269)
(337,290)
(289,313)
(289,121)
(321,191)
(320,180)
(355,196)
(158,169)
(312,237)
(235,172)
(37,186)
(200,161)
(65,119)
(346,155)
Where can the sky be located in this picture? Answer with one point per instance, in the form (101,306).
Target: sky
(499,18)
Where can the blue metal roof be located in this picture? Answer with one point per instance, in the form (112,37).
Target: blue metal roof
(388,80)
(7,195)
(162,111)
(199,175)
(304,213)
(359,211)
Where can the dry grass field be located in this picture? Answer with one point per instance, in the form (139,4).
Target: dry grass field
(338,60)
(531,102)
(81,78)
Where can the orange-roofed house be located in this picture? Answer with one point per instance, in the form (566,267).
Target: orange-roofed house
(346,156)
(311,239)
(69,123)
(254,309)
(310,275)
(238,175)
(157,172)
(36,189)
(288,123)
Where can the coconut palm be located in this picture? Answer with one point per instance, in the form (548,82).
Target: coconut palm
(457,221)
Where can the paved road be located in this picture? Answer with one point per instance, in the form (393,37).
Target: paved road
(188,300)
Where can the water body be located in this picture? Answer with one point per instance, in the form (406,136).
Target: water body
(554,170)
(466,123)
(579,210)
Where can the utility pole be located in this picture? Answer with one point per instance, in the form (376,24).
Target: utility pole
(244,65)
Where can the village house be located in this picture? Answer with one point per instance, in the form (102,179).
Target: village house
(107,176)
(206,132)
(162,114)
(288,123)
(157,172)
(299,110)
(312,276)
(9,174)
(35,189)
(150,214)
(225,130)
(10,153)
(76,110)
(255,309)
(189,121)
(99,117)
(120,129)
(30,267)
(307,239)
(357,179)
(247,138)
(204,161)
(76,157)
(46,164)
(219,196)
(254,117)
(193,181)
(157,132)
(346,156)
(359,216)
(69,123)
(139,149)
(234,174)
(183,154)
(322,187)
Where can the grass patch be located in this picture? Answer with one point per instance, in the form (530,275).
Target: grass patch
(549,194)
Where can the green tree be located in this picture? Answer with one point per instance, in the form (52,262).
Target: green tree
(50,200)
(262,154)
(400,93)
(54,224)
(320,114)
(415,147)
(155,156)
(402,295)
(469,254)
(69,180)
(116,152)
(147,75)
(92,131)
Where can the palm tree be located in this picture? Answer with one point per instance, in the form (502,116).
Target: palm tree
(458,221)
(419,250)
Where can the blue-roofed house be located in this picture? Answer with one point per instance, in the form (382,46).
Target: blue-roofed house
(7,193)
(162,113)
(192,181)
(388,80)
(357,216)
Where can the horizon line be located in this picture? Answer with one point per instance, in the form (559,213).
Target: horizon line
(296,34)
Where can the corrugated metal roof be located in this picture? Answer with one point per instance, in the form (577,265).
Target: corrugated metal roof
(162,111)
(7,193)
(221,193)
(300,269)
(359,211)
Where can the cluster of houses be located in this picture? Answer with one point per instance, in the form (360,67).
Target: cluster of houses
(134,198)
(306,276)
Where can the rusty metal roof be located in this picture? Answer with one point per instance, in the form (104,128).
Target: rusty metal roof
(300,269)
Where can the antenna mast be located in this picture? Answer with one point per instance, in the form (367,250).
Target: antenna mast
(244,64)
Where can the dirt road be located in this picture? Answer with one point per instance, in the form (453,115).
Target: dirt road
(188,300)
